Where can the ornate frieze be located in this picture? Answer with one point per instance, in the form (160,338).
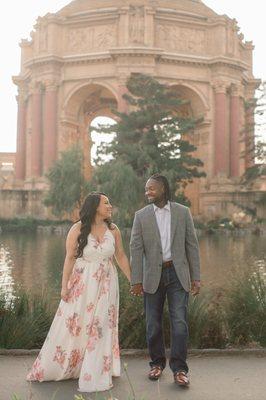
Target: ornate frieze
(179,38)
(83,40)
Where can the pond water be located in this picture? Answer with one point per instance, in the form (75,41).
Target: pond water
(34,261)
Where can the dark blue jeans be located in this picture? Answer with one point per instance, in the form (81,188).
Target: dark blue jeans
(177,299)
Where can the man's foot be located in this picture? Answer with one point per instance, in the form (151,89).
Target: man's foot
(155,373)
(181,378)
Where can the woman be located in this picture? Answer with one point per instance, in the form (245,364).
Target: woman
(83,339)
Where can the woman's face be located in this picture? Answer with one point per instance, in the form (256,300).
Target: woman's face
(104,209)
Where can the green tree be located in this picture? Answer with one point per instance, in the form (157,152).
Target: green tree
(122,186)
(152,137)
(255,144)
(67,183)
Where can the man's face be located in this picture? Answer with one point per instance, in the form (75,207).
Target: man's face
(154,191)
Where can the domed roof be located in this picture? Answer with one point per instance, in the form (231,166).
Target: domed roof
(190,6)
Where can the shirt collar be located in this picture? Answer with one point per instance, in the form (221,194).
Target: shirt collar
(166,207)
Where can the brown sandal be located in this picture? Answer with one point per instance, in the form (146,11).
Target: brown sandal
(155,373)
(181,378)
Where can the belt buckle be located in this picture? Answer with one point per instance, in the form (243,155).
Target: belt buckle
(167,264)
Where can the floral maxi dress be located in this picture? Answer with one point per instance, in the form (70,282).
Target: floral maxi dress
(83,339)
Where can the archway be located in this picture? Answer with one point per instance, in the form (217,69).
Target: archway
(98,138)
(84,105)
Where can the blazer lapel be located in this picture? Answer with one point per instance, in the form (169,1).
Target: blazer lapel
(153,224)
(174,220)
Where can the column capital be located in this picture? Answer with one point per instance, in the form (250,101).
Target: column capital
(123,10)
(22,94)
(51,85)
(35,87)
(236,90)
(220,86)
(150,10)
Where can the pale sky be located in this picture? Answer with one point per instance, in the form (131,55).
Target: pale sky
(18,17)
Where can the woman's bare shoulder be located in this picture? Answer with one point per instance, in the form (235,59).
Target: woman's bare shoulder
(75,229)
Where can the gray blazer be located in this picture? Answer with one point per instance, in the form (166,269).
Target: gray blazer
(146,249)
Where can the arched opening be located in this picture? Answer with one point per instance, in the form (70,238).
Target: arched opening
(98,138)
(85,108)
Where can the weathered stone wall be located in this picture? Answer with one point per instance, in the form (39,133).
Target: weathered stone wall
(23,203)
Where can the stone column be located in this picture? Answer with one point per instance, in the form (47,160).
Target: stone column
(122,104)
(234,131)
(20,169)
(50,125)
(36,138)
(220,135)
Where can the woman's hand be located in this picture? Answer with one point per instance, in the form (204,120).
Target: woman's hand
(64,294)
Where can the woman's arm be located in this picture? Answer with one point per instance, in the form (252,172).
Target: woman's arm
(120,254)
(71,251)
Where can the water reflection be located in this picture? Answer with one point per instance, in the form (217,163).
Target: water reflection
(34,262)
(6,268)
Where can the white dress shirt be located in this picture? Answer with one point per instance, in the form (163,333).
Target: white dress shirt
(163,218)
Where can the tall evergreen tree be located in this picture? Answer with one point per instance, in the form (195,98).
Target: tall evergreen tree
(255,142)
(152,137)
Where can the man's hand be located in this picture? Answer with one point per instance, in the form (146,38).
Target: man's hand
(195,288)
(137,290)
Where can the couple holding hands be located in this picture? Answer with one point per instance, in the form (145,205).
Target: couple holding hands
(82,342)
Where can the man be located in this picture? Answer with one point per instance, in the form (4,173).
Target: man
(165,263)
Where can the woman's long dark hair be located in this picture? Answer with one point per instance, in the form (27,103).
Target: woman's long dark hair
(87,216)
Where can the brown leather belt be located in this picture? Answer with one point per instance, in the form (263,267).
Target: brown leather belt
(167,264)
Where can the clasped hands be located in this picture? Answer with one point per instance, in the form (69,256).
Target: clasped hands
(137,290)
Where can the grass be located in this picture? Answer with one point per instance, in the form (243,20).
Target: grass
(246,310)
(24,321)
(231,317)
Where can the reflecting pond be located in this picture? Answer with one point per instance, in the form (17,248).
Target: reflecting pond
(35,261)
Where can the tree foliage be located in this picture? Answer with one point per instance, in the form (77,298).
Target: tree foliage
(255,142)
(154,136)
(66,182)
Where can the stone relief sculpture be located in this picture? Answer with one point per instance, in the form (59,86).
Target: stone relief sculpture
(106,38)
(180,39)
(136,24)
(85,39)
